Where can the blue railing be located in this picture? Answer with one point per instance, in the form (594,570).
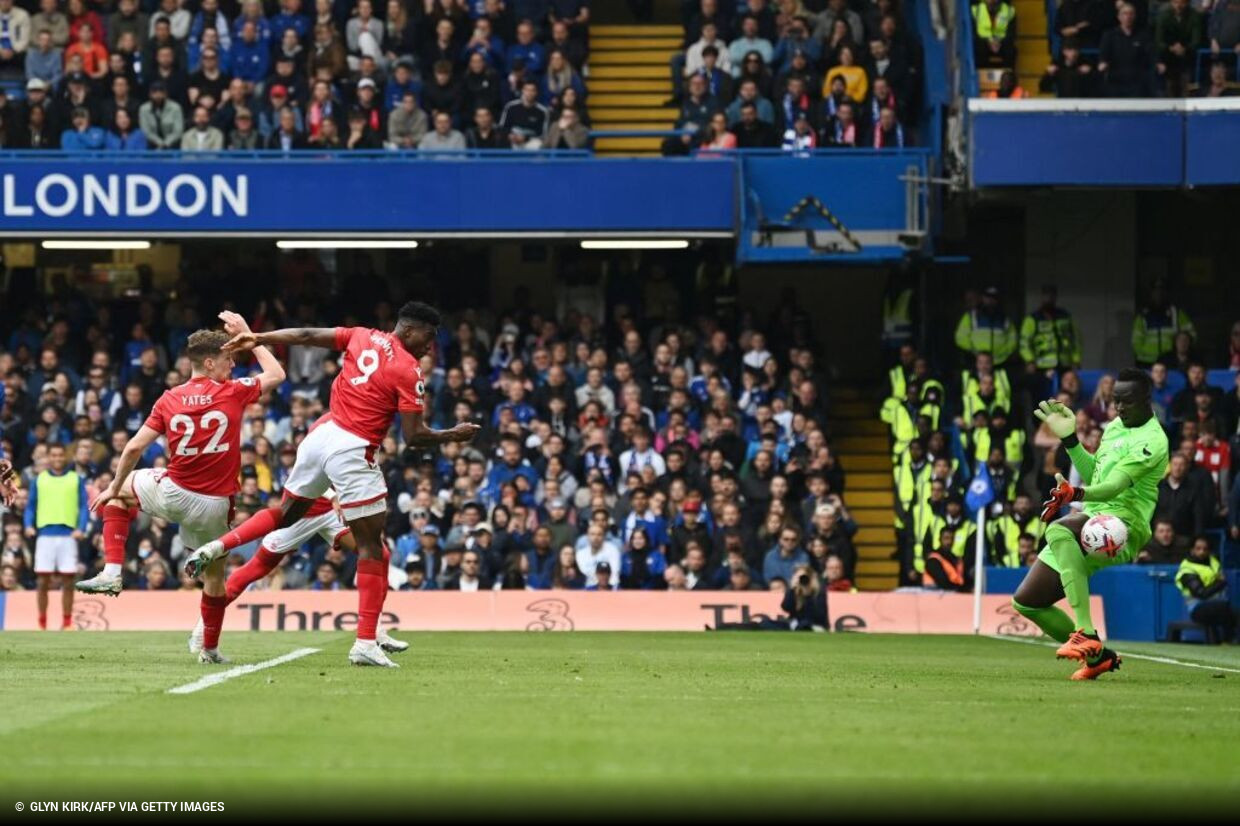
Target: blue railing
(964,48)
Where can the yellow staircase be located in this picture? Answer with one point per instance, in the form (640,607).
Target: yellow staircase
(1033,50)
(860,443)
(629,79)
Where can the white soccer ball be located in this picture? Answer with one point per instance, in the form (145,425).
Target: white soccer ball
(1104,535)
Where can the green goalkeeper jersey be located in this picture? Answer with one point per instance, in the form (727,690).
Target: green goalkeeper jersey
(1140,453)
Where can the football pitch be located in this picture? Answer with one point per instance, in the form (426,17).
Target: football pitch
(617,723)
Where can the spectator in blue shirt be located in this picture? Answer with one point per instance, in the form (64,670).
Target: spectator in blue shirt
(252,14)
(290,17)
(782,560)
(540,559)
(401,83)
(209,16)
(125,136)
(83,137)
(251,57)
(511,466)
(528,50)
(522,411)
(484,42)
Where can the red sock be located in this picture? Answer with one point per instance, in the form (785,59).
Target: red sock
(261,564)
(253,529)
(66,621)
(212,619)
(43,622)
(372,588)
(116,533)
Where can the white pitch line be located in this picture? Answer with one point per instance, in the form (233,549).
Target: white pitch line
(1149,657)
(240,671)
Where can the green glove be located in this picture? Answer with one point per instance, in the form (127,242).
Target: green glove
(1057,416)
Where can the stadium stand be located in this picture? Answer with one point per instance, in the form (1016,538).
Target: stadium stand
(354,75)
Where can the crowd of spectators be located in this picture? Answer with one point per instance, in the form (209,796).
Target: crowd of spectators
(1120,48)
(947,428)
(796,74)
(614,454)
(217,75)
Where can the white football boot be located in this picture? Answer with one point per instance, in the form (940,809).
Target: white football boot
(101,584)
(212,656)
(389,643)
(368,652)
(198,561)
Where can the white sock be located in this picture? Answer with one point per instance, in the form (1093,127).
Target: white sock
(112,569)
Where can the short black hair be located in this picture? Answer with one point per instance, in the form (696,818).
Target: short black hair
(1137,376)
(418,312)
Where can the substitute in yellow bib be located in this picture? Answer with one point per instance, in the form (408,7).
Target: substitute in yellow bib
(57,515)
(1201,581)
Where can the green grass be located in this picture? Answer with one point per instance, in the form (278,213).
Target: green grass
(615,723)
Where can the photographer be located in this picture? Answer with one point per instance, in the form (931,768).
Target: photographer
(805,601)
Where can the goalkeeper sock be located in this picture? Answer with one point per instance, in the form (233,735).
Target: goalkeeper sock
(1072,573)
(1053,621)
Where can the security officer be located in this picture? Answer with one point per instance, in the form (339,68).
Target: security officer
(1204,586)
(1003,533)
(994,33)
(899,375)
(974,393)
(58,514)
(901,416)
(987,329)
(998,433)
(1155,327)
(912,479)
(1049,338)
(963,530)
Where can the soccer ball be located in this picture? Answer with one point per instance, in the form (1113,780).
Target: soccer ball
(1104,535)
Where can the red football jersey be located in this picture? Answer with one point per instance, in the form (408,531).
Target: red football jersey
(379,377)
(202,421)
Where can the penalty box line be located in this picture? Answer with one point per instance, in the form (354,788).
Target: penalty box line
(1147,657)
(240,671)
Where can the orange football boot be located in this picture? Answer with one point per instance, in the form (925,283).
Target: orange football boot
(1110,661)
(1080,646)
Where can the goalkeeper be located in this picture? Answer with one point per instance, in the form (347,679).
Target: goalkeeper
(1121,480)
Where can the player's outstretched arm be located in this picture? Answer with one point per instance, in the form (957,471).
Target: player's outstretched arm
(417,434)
(272,371)
(1062,423)
(309,336)
(133,451)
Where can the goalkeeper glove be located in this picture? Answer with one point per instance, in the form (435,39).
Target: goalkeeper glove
(1061,495)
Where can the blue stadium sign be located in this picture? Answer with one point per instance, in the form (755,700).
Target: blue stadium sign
(268,194)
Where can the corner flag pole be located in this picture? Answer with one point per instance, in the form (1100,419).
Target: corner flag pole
(979,570)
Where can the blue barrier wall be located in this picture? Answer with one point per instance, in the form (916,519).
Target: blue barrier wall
(1210,141)
(1139,600)
(1103,143)
(348,193)
(863,189)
